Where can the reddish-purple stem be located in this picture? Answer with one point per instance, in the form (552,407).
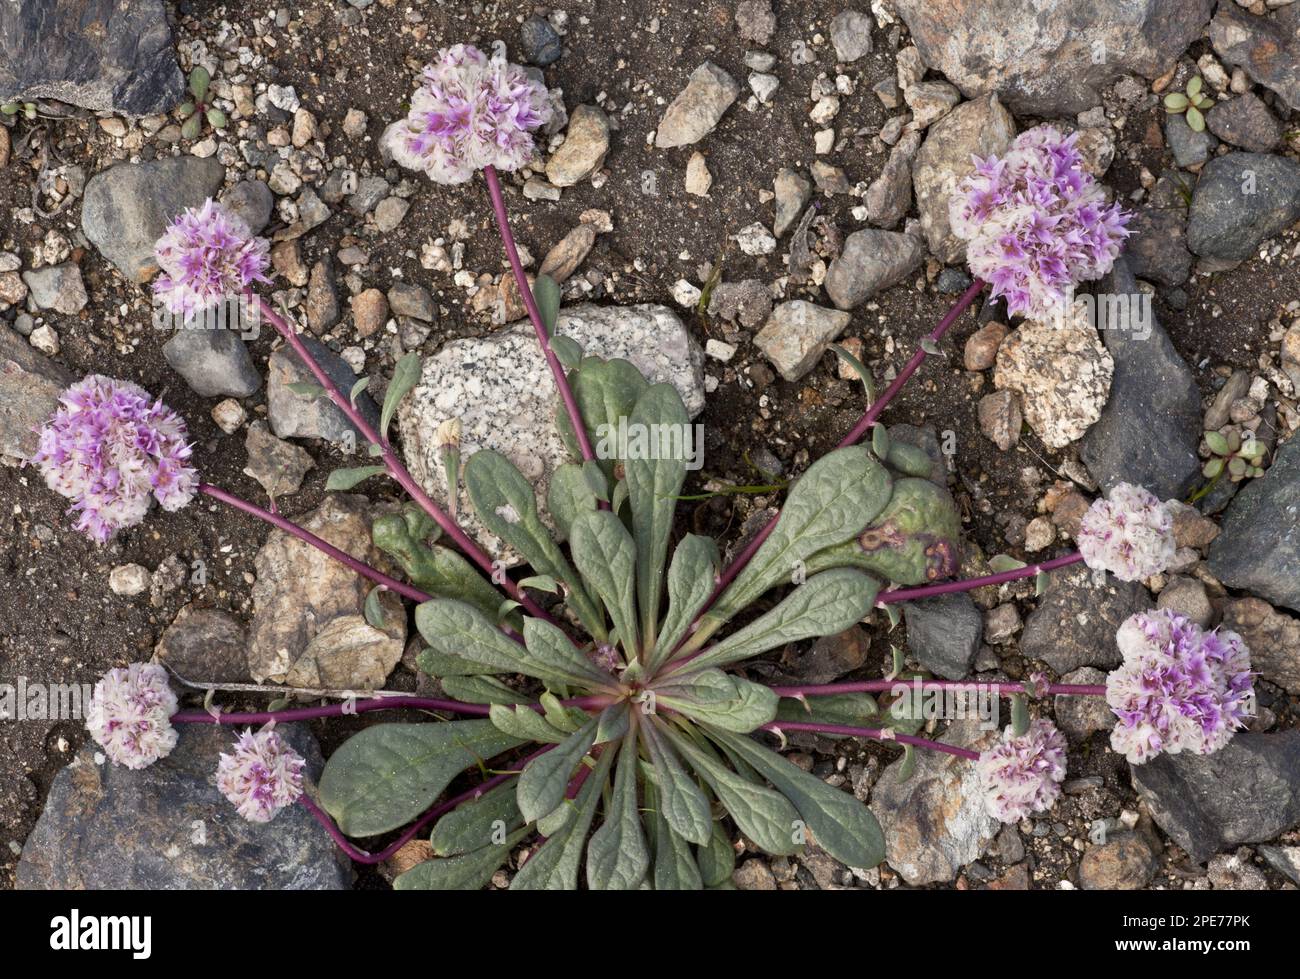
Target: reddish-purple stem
(871,732)
(860,429)
(394,465)
(535,314)
(363,706)
(970,584)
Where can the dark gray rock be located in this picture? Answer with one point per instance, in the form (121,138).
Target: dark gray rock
(944,633)
(1150,429)
(1241,199)
(1081,717)
(1259,548)
(851,35)
(1077,618)
(127,207)
(295,416)
(1190,148)
(541,45)
(252,201)
(30,385)
(214,363)
(1266,48)
(98,54)
(1246,122)
(408,299)
(205,645)
(1157,249)
(1283,859)
(1246,792)
(166,827)
(872,260)
(1043,59)
(1125,862)
(748,302)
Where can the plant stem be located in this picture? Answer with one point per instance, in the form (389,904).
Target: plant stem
(863,426)
(364,706)
(275,520)
(877,734)
(534,314)
(1007,689)
(393,464)
(970,584)
(408,834)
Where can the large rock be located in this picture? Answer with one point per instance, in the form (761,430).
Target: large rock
(106,55)
(1246,792)
(797,334)
(58,287)
(1157,249)
(1062,373)
(1246,122)
(1150,428)
(502,391)
(167,828)
(871,260)
(309,627)
(1273,638)
(128,206)
(1241,199)
(935,822)
(30,385)
(1050,59)
(293,415)
(1077,618)
(206,645)
(214,363)
(1266,48)
(944,633)
(697,108)
(979,128)
(1259,549)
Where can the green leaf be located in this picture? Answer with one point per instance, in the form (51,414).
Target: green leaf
(187,109)
(480,690)
(617,856)
(467,872)
(306,389)
(547,293)
(1212,468)
(825,604)
(691,577)
(551,649)
(717,860)
(1217,443)
(567,351)
(525,724)
(405,376)
(471,825)
(681,801)
(908,766)
(675,868)
(606,555)
(846,709)
(345,479)
(839,495)
(199,81)
(361,385)
(1176,102)
(717,698)
(1194,86)
(388,774)
(654,474)
(606,391)
(507,507)
(880,441)
(375,613)
(444,665)
(1195,120)
(565,718)
(910,460)
(840,824)
(859,368)
(1019,714)
(766,817)
(541,582)
(216,119)
(1005,562)
(191,128)
(1040,583)
(554,867)
(931,347)
(613,722)
(569,496)
(544,779)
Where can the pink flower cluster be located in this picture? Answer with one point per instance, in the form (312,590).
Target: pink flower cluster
(1130,534)
(111,449)
(207,255)
(1179,688)
(130,715)
(1036,223)
(472,111)
(262,775)
(1023,775)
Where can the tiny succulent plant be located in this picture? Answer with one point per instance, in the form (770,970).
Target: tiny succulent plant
(1193,102)
(199,107)
(1241,458)
(27,110)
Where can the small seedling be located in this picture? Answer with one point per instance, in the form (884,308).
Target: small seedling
(199,107)
(1192,102)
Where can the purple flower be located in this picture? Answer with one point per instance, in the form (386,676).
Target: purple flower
(1036,223)
(111,448)
(262,775)
(1179,688)
(130,715)
(1130,534)
(471,112)
(207,255)
(1022,775)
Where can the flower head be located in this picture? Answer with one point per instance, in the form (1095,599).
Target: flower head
(1179,688)
(1023,775)
(1130,534)
(110,448)
(207,255)
(471,111)
(1036,222)
(262,775)
(130,715)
